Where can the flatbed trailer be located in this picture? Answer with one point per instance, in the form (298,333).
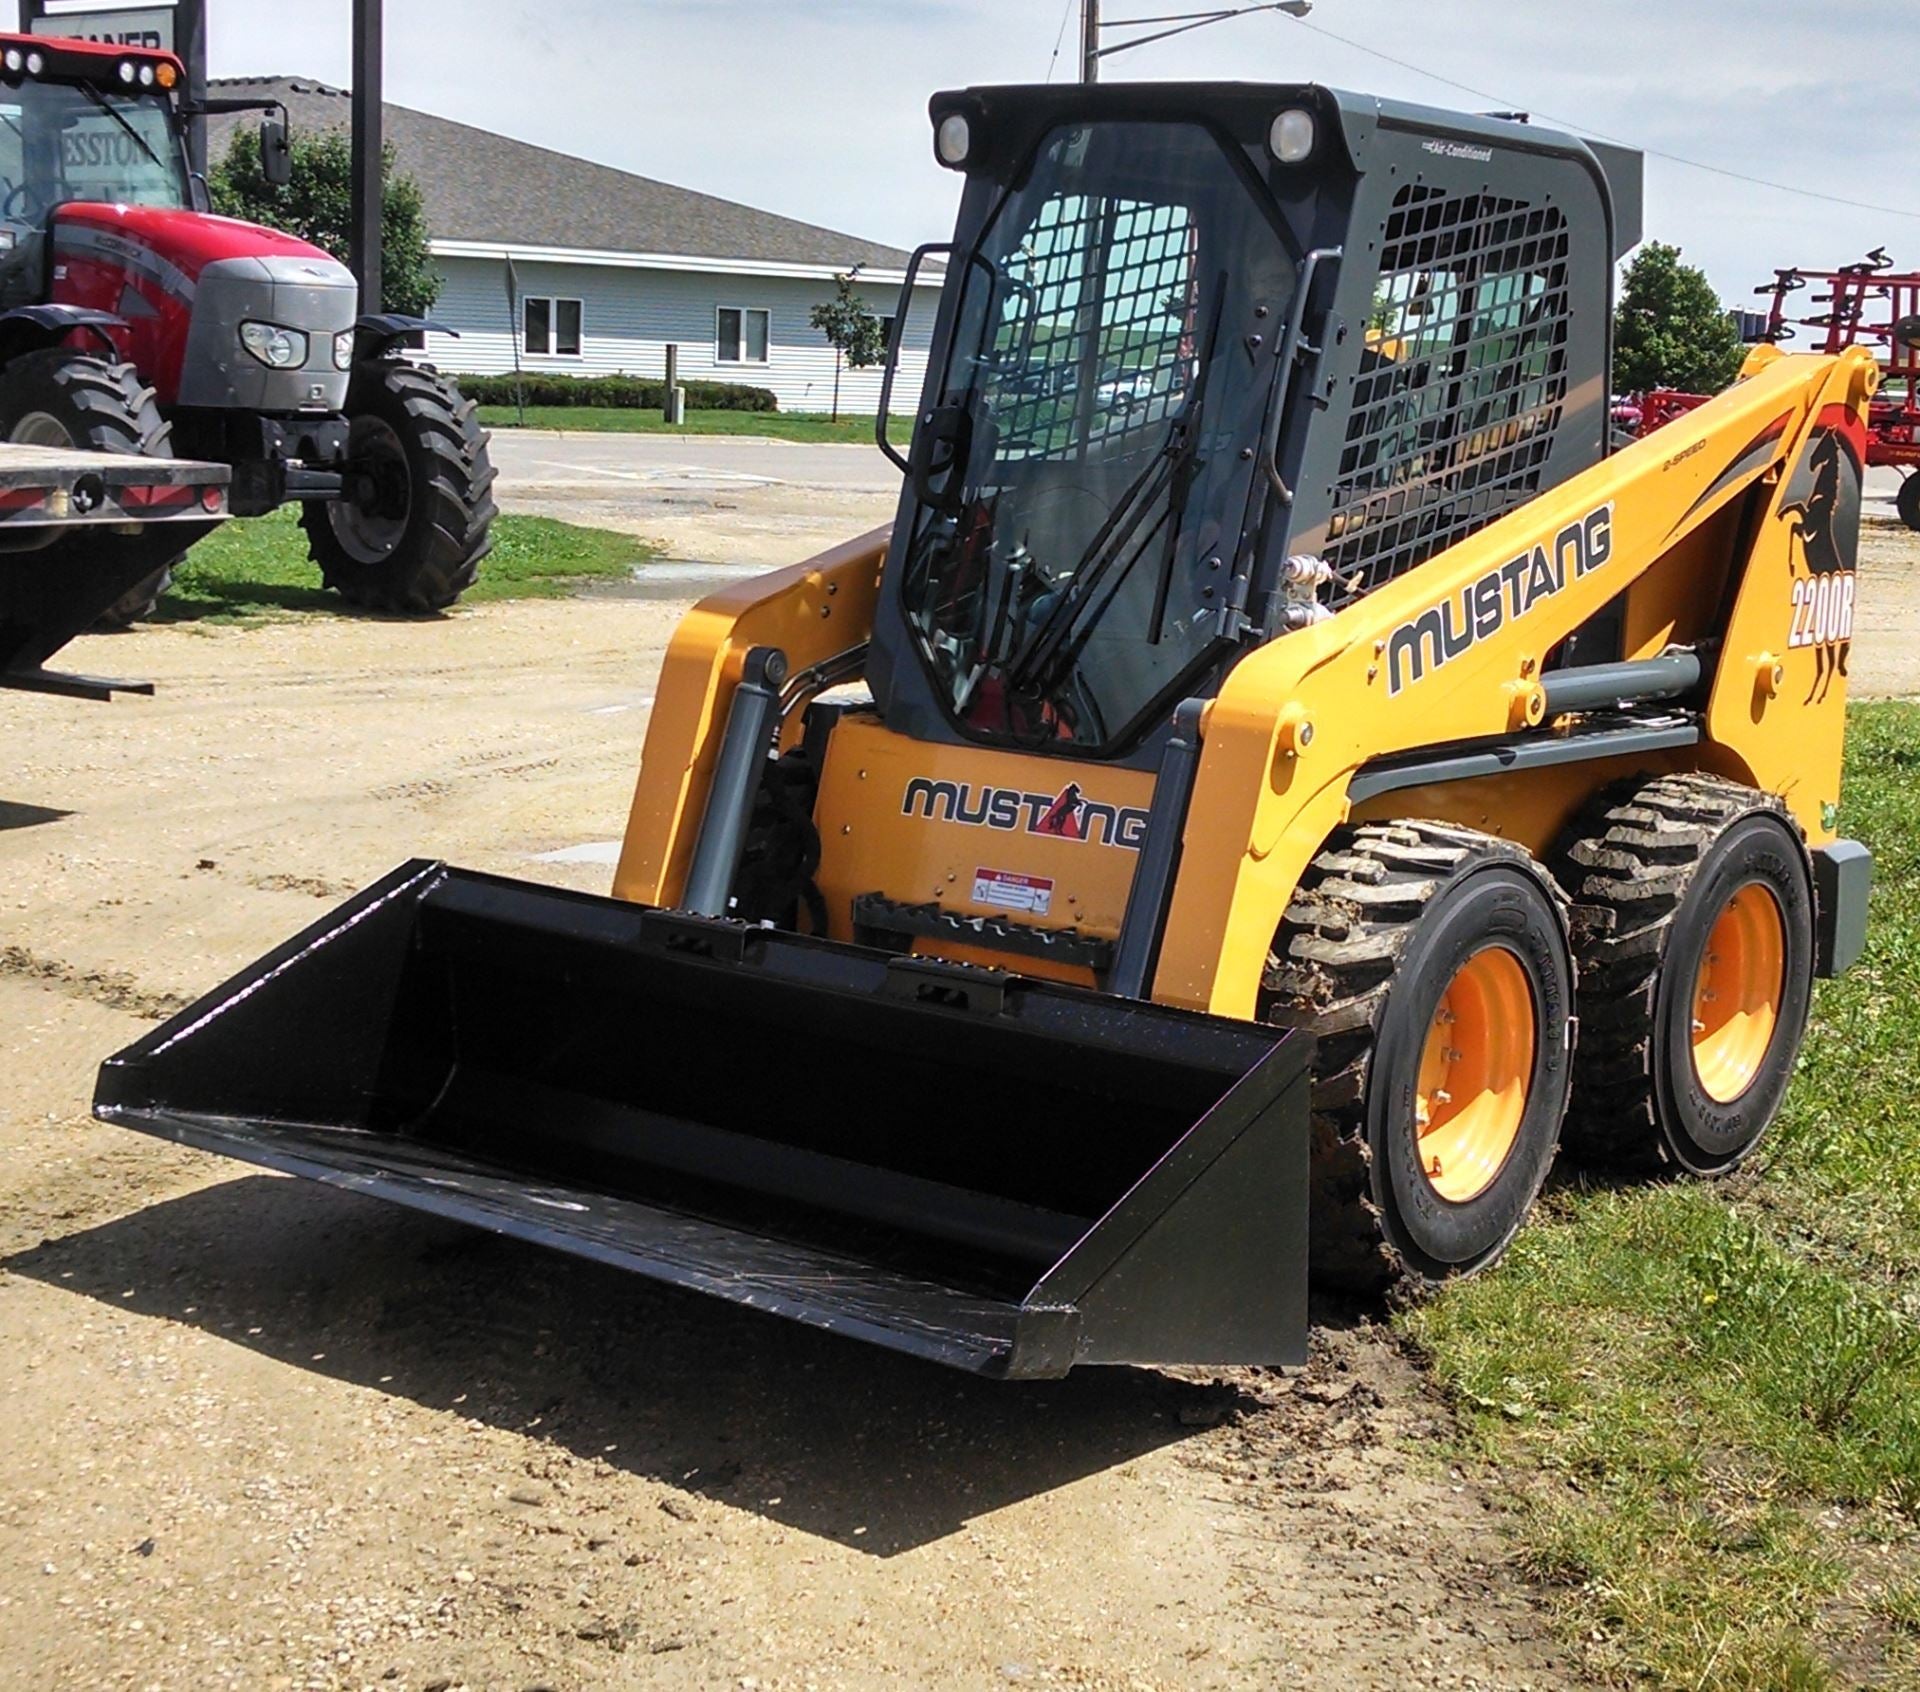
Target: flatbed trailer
(58,506)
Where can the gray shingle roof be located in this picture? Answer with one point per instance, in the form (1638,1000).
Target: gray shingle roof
(479,186)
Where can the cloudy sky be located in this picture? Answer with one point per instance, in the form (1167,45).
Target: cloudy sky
(816,108)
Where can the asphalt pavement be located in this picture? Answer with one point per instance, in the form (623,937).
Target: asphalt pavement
(534,458)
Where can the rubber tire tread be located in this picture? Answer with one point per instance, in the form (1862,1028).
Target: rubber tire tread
(107,409)
(1627,864)
(1335,957)
(451,529)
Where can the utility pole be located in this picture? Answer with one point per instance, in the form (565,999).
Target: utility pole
(1089,40)
(367,151)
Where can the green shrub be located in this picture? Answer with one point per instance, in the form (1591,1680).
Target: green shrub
(619,393)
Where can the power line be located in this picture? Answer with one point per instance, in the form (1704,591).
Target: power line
(1601,135)
(1066,12)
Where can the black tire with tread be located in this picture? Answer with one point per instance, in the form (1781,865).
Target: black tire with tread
(449,529)
(104,407)
(1637,866)
(1366,905)
(1907,500)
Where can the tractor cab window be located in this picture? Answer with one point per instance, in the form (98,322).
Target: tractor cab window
(1072,569)
(70,141)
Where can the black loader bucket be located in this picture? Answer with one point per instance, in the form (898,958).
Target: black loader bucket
(992,1172)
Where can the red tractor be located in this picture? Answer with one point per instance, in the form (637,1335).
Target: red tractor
(134,321)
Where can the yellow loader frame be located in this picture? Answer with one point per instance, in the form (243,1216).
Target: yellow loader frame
(1449,655)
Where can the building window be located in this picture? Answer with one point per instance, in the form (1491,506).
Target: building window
(741,337)
(552,326)
(886,333)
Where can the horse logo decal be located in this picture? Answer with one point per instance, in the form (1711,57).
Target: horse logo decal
(1821,505)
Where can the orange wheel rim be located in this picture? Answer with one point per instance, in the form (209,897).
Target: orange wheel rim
(1476,1071)
(1736,994)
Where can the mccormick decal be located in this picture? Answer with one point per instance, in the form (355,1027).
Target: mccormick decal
(1066,815)
(1443,632)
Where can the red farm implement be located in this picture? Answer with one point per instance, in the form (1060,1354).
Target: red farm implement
(1873,305)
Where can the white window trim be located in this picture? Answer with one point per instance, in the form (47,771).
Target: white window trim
(741,345)
(554,303)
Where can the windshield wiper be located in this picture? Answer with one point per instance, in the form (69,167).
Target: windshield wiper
(1108,543)
(139,140)
(1169,469)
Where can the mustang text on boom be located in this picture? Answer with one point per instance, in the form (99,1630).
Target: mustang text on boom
(1443,632)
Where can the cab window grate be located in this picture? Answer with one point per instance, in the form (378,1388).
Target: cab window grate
(1462,383)
(1099,314)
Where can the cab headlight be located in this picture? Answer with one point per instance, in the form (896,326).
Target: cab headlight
(1292,136)
(953,140)
(275,347)
(343,350)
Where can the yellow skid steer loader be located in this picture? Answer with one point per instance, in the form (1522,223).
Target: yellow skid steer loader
(1280,776)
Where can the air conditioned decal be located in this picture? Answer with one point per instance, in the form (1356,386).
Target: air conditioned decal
(1066,815)
(1480,611)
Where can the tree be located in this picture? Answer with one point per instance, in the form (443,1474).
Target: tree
(853,332)
(1670,330)
(317,206)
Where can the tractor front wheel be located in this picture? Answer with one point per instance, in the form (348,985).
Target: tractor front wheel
(417,515)
(62,398)
(1432,964)
(1907,500)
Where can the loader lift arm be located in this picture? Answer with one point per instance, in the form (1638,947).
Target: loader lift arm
(1366,690)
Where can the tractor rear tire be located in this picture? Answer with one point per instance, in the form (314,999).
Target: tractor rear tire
(410,536)
(62,398)
(1907,500)
(1693,934)
(1432,962)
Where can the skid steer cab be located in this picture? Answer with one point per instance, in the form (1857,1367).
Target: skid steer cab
(1277,783)
(132,321)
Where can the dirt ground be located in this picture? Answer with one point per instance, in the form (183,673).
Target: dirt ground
(1885,662)
(266,1434)
(256,1432)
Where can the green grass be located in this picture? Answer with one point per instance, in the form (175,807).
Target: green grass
(1707,1398)
(778,425)
(258,568)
